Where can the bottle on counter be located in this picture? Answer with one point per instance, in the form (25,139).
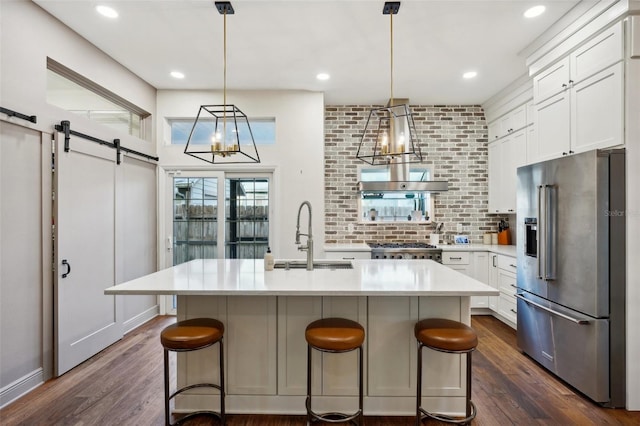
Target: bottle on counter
(269,261)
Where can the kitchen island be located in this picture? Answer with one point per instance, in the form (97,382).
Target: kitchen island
(265,314)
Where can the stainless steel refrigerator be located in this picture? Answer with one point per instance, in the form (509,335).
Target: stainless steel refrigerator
(571,270)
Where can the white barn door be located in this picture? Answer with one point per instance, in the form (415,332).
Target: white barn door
(87,321)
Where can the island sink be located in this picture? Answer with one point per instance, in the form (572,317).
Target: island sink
(317,264)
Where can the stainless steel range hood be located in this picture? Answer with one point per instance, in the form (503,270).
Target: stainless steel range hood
(399,182)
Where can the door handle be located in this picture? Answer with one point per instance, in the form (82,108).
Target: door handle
(68,265)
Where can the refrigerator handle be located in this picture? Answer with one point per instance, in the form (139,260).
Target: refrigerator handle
(551,311)
(550,233)
(541,225)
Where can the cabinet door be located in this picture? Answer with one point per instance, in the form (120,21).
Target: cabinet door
(480,273)
(390,341)
(253,343)
(552,81)
(338,371)
(294,313)
(493,280)
(531,144)
(495,160)
(518,118)
(507,303)
(552,127)
(596,111)
(494,130)
(514,154)
(597,54)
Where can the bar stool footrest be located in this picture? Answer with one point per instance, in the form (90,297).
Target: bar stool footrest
(335,417)
(197,385)
(449,419)
(198,413)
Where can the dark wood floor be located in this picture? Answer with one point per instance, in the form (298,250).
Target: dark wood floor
(123,386)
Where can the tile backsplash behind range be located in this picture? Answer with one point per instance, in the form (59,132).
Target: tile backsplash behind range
(453,141)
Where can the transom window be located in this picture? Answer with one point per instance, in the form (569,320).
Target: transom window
(72,92)
(263,130)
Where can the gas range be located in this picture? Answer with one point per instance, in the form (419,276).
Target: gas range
(405,251)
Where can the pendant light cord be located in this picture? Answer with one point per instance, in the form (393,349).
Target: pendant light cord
(224,77)
(391,38)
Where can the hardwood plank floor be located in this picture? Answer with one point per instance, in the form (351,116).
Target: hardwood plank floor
(122,385)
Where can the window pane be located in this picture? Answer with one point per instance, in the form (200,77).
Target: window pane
(79,98)
(262,129)
(195,209)
(247,215)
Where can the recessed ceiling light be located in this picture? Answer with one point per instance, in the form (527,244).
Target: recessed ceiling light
(177,74)
(469,74)
(323,76)
(534,11)
(107,11)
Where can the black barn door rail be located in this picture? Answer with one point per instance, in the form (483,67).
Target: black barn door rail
(11,113)
(65,127)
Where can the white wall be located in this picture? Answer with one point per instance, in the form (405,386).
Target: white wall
(28,35)
(296,158)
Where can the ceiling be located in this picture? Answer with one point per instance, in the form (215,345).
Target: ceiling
(283,44)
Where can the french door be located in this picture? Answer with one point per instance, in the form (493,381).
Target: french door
(216,215)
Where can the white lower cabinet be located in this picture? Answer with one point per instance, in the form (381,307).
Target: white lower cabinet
(480,273)
(473,264)
(493,280)
(506,281)
(496,270)
(390,341)
(251,342)
(266,354)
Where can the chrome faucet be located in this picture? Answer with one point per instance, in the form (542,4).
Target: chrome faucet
(309,235)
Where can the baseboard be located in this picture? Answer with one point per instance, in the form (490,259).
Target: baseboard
(20,387)
(141,318)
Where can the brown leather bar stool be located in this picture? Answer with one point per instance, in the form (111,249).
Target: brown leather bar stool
(335,335)
(191,335)
(452,337)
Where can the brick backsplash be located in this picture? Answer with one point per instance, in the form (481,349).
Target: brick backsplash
(453,141)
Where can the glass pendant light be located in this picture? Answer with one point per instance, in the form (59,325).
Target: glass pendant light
(390,133)
(221,134)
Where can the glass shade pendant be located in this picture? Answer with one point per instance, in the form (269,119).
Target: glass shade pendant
(390,133)
(221,134)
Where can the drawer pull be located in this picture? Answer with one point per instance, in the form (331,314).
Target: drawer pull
(513,310)
(455,258)
(513,266)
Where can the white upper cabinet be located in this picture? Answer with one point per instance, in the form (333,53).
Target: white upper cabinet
(579,100)
(553,80)
(505,156)
(513,121)
(596,110)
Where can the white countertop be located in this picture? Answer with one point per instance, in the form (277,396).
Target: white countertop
(246,277)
